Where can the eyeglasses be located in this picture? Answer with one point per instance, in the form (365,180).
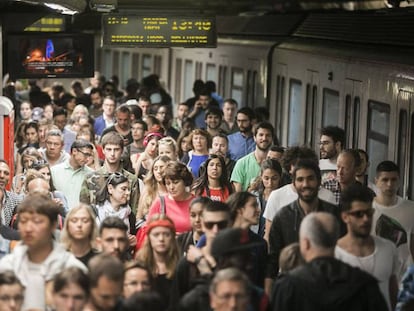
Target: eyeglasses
(220,224)
(86,154)
(362,213)
(39,164)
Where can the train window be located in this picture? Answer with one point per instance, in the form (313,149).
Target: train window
(157,65)
(115,64)
(188,79)
(126,67)
(330,108)
(135,65)
(222,80)
(178,77)
(311,102)
(402,141)
(251,87)
(146,68)
(280,89)
(410,192)
(237,82)
(211,73)
(355,126)
(377,133)
(98,58)
(107,63)
(295,112)
(199,69)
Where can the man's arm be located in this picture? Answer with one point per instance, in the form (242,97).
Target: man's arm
(393,290)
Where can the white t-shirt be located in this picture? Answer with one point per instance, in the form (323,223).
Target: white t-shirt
(396,223)
(35,291)
(286,195)
(328,169)
(382,263)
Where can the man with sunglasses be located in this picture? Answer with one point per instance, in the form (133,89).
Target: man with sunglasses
(199,262)
(358,248)
(68,176)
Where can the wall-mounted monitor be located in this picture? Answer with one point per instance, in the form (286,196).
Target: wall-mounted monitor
(50,55)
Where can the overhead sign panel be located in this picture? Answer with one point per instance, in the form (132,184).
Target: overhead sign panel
(159,31)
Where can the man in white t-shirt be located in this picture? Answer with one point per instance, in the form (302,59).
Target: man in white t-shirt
(287,194)
(359,248)
(394,216)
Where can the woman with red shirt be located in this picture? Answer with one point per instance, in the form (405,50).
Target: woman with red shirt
(176,204)
(213,181)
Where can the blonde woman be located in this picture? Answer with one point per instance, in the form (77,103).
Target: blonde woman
(167,146)
(79,233)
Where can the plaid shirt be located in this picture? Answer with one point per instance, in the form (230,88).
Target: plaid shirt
(10,202)
(334,187)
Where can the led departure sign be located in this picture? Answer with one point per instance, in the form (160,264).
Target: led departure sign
(158,31)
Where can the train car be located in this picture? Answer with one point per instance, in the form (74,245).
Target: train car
(365,86)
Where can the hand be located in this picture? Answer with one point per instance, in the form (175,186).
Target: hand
(132,240)
(193,253)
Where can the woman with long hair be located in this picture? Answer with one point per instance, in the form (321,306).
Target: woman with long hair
(213,181)
(160,253)
(153,187)
(26,159)
(269,180)
(142,162)
(176,178)
(79,233)
(183,144)
(112,200)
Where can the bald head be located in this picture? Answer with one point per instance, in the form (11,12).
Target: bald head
(38,185)
(318,234)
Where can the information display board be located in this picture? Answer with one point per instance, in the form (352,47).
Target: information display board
(158,31)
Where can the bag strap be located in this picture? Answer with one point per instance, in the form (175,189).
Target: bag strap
(162,201)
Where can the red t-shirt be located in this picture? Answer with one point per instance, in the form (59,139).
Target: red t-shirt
(220,195)
(178,211)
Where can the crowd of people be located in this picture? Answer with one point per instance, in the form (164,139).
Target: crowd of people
(118,202)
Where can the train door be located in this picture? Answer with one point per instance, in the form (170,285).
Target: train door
(311,135)
(353,94)
(404,151)
(277,108)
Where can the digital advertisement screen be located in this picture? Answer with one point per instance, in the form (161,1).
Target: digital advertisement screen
(51,55)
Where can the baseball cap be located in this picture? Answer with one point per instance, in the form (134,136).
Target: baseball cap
(232,240)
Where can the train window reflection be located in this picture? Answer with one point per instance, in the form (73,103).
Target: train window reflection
(295,112)
(410,193)
(188,78)
(107,70)
(126,67)
(146,65)
(330,108)
(222,81)
(178,77)
(211,73)
(135,65)
(402,143)
(377,133)
(356,123)
(157,65)
(237,82)
(115,63)
(199,69)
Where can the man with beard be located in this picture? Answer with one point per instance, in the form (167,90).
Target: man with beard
(285,226)
(122,125)
(220,146)
(242,142)
(248,168)
(359,248)
(331,143)
(213,121)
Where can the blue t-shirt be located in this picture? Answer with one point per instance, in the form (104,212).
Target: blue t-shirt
(195,162)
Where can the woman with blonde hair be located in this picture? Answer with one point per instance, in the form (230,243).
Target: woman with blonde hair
(79,233)
(153,187)
(167,146)
(160,253)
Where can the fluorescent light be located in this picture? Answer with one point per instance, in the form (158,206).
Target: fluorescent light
(60,8)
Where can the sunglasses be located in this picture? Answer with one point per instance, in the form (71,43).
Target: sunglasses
(39,164)
(360,214)
(114,176)
(220,224)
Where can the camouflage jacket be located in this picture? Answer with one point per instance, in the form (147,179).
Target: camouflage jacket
(96,180)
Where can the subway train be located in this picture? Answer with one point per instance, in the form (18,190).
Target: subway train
(351,69)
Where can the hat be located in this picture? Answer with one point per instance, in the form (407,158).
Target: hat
(232,240)
(37,113)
